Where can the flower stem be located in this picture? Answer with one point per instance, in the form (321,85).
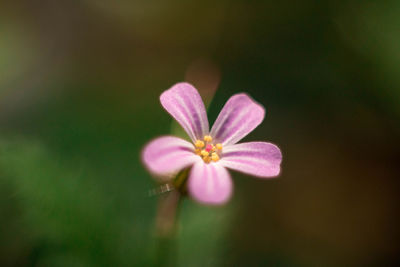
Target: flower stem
(166,228)
(166,214)
(166,220)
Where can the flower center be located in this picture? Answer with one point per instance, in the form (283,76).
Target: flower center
(207,150)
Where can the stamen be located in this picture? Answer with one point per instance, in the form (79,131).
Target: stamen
(199,144)
(206,150)
(214,157)
(207,138)
(204,153)
(207,159)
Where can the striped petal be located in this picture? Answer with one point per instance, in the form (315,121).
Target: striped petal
(239,117)
(210,183)
(184,103)
(167,155)
(256,158)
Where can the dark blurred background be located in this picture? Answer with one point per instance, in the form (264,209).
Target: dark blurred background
(79,88)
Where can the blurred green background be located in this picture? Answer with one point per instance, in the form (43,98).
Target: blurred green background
(79,88)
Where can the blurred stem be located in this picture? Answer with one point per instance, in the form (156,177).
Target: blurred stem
(166,214)
(166,228)
(166,220)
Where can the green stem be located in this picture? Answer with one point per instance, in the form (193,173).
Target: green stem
(166,228)
(166,214)
(166,220)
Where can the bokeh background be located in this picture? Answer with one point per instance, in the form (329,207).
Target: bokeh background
(79,88)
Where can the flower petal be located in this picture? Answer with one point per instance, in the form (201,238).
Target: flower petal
(238,117)
(256,158)
(184,103)
(168,154)
(210,183)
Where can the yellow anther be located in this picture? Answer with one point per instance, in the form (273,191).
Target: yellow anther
(199,144)
(204,153)
(218,146)
(207,138)
(207,159)
(214,157)
(206,150)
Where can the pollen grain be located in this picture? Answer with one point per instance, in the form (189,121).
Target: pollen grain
(208,151)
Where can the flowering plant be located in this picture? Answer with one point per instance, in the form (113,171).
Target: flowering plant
(211,152)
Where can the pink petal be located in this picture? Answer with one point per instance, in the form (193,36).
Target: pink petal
(168,154)
(239,117)
(256,158)
(210,183)
(184,103)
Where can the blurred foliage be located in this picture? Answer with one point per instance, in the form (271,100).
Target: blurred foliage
(79,88)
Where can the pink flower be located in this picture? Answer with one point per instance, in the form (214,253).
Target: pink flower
(211,152)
